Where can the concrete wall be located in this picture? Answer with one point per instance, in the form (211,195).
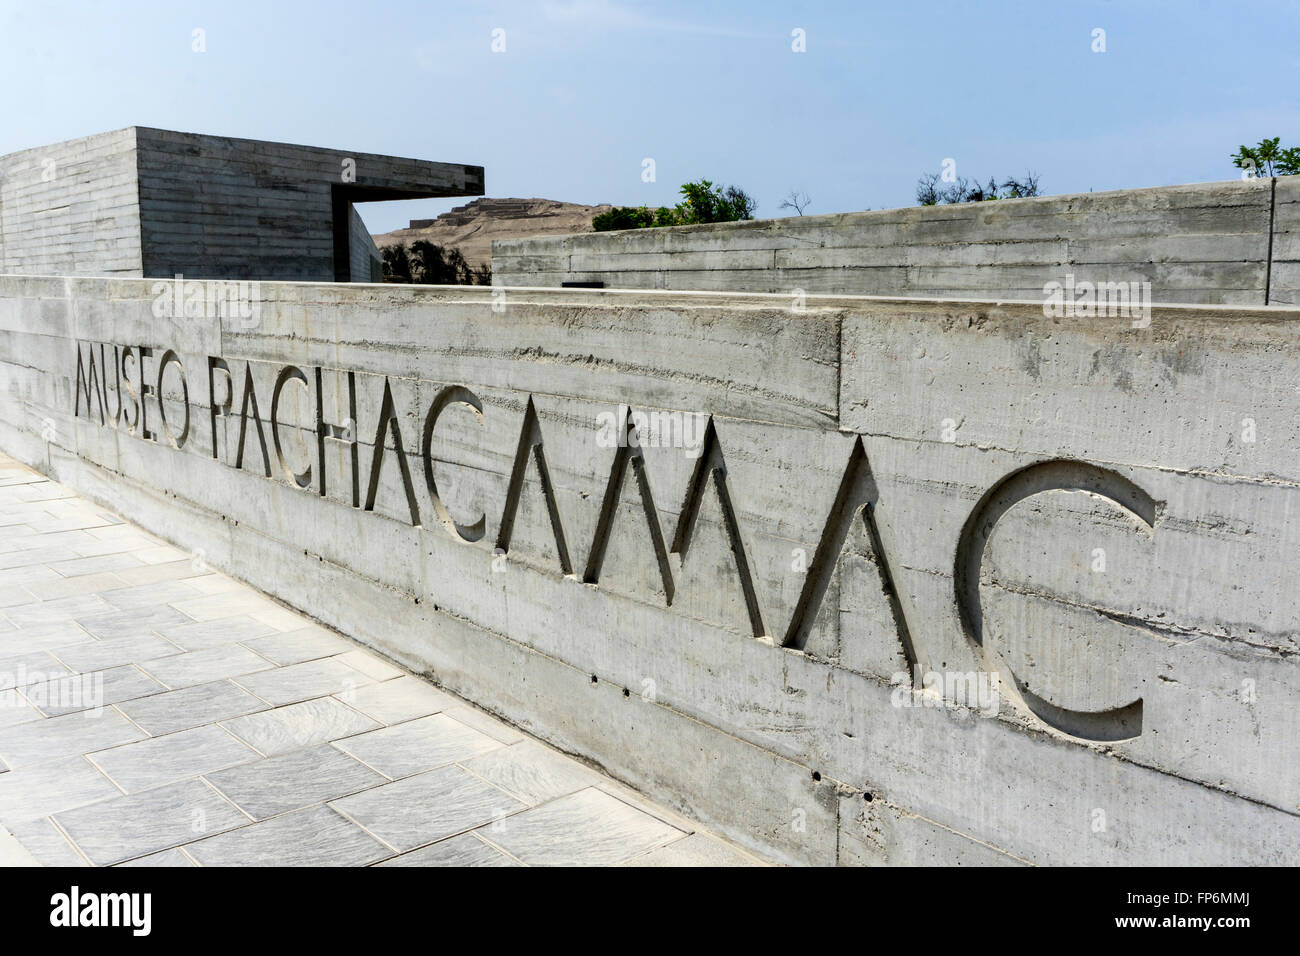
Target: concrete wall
(150,202)
(72,208)
(1284,272)
(1202,243)
(366,263)
(1101,515)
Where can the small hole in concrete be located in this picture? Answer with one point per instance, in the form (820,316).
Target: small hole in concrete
(867,797)
(626,692)
(816,775)
(593,678)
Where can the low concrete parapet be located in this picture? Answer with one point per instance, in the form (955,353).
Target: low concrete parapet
(1211,243)
(876,581)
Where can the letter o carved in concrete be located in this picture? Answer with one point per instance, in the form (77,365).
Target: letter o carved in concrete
(171,358)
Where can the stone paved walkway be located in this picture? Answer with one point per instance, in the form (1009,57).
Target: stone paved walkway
(154,712)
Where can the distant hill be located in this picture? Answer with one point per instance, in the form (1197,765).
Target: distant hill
(472,227)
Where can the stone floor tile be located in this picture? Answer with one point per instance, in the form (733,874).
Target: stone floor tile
(75,567)
(71,587)
(163,858)
(131,623)
(40,741)
(629,796)
(12,579)
(297,779)
(427,807)
(403,698)
(202,667)
(15,595)
(299,725)
(42,839)
(485,723)
(280,618)
(156,594)
(113,652)
(215,584)
(136,544)
(532,772)
(370,664)
(34,667)
(209,607)
(121,530)
(63,610)
(162,554)
(319,678)
(418,745)
(317,836)
(49,523)
(15,709)
(141,823)
(697,849)
(463,850)
(188,571)
(294,647)
(588,828)
(170,711)
(201,636)
(51,787)
(47,490)
(16,540)
(159,760)
(13,853)
(28,557)
(48,636)
(90,692)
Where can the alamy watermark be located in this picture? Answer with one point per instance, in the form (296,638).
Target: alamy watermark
(653,429)
(79,692)
(208,299)
(1086,299)
(978,691)
(88,909)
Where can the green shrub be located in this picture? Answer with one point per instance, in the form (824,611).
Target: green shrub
(929,192)
(705,202)
(666,217)
(425,263)
(397,263)
(701,202)
(1268,159)
(623,217)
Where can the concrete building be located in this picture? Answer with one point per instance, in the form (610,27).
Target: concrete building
(142,202)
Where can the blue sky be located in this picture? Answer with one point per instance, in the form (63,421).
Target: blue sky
(587,89)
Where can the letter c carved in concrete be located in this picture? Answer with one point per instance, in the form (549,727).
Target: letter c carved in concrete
(451,395)
(1058,475)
